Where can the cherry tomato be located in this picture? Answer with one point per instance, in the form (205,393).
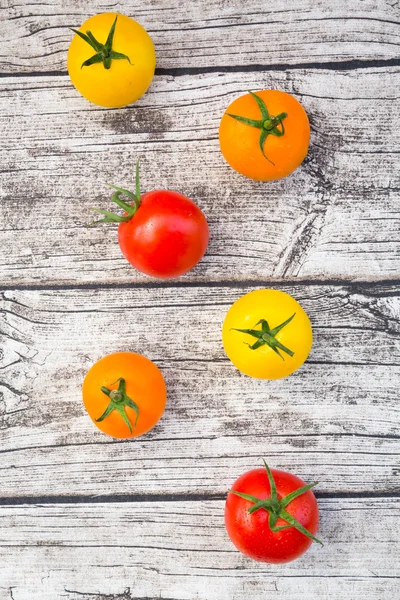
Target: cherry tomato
(267,334)
(271,516)
(264,135)
(111,60)
(163,234)
(124,394)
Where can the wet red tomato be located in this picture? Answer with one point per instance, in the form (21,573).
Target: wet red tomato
(271,516)
(167,236)
(163,234)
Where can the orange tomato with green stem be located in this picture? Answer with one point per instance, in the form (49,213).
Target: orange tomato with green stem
(111,60)
(264,135)
(124,394)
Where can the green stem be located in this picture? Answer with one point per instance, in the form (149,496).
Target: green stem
(104,52)
(266,336)
(277,508)
(118,401)
(268,125)
(130,209)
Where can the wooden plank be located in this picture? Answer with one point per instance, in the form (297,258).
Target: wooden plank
(332,218)
(85,517)
(334,421)
(180,551)
(35,36)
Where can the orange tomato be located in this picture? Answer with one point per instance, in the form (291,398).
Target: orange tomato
(265,135)
(124,394)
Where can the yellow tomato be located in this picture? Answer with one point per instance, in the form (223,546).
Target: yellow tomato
(267,334)
(111,60)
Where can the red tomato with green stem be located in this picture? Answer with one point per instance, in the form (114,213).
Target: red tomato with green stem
(163,233)
(271,516)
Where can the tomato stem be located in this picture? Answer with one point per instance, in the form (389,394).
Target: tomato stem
(130,209)
(118,401)
(104,52)
(268,125)
(265,335)
(277,508)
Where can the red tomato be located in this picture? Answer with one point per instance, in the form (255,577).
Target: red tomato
(167,236)
(253,525)
(163,234)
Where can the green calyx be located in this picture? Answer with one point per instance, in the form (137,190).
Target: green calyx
(104,52)
(130,209)
(265,335)
(277,508)
(268,124)
(118,401)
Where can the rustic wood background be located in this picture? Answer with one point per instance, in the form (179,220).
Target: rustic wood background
(84,517)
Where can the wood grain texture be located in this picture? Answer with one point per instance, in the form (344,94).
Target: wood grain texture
(329,219)
(180,551)
(35,36)
(335,420)
(86,517)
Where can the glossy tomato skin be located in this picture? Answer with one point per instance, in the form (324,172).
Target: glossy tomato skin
(239,142)
(145,385)
(275,306)
(250,533)
(166,237)
(123,83)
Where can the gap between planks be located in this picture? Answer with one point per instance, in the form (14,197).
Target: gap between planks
(138,498)
(341,65)
(177,283)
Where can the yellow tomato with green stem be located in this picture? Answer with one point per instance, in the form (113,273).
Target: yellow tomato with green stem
(267,334)
(111,60)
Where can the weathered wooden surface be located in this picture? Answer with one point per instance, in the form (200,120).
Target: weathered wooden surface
(35,36)
(340,409)
(180,550)
(331,218)
(85,517)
